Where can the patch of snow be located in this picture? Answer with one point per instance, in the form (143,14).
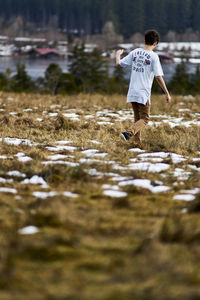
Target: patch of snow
(184,197)
(115,194)
(89,160)
(28,109)
(16,173)
(53,114)
(136,150)
(35,180)
(60,162)
(44,195)
(8,190)
(24,159)
(63,142)
(194,191)
(194,167)
(94,172)
(17,142)
(70,195)
(28,230)
(181,174)
(158,167)
(3,157)
(89,152)
(146,184)
(57,156)
(111,187)
(61,148)
(95,142)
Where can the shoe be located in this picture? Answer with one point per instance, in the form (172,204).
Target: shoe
(125,136)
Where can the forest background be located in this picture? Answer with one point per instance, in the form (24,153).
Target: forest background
(89,17)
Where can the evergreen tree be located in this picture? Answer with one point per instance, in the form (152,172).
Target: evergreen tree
(21,82)
(180,83)
(53,76)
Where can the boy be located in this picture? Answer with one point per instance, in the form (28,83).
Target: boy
(145,64)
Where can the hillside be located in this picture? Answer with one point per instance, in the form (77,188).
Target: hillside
(85,215)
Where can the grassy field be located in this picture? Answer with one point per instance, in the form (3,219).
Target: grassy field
(87,216)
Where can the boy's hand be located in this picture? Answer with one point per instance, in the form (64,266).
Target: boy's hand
(168,98)
(119,52)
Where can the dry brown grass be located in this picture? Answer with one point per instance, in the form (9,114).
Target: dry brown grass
(96,247)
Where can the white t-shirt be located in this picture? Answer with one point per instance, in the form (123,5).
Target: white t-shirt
(145,64)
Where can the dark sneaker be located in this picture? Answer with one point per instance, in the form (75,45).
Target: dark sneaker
(125,136)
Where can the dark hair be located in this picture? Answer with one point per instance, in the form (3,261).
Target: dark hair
(151,37)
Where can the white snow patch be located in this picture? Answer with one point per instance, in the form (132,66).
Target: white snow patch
(28,230)
(8,190)
(44,195)
(63,142)
(35,180)
(89,152)
(184,197)
(158,167)
(115,194)
(194,191)
(194,167)
(94,172)
(70,195)
(146,184)
(61,148)
(110,187)
(16,173)
(136,150)
(24,159)
(95,142)
(181,174)
(57,156)
(60,162)
(17,142)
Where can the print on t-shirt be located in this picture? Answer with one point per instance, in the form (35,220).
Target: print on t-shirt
(140,61)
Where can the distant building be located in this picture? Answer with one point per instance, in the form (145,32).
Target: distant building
(43,52)
(165,58)
(7,50)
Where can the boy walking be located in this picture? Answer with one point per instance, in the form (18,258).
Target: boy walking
(145,65)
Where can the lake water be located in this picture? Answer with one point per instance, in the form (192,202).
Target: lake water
(36,67)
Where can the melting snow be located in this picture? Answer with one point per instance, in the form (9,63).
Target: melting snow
(70,195)
(28,230)
(17,142)
(44,195)
(89,152)
(136,150)
(57,156)
(8,190)
(24,159)
(60,162)
(146,184)
(61,148)
(113,193)
(184,197)
(35,180)
(63,142)
(16,174)
(158,167)
(95,142)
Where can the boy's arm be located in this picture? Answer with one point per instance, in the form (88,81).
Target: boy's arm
(118,56)
(162,84)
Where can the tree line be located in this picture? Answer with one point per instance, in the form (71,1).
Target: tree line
(85,17)
(89,73)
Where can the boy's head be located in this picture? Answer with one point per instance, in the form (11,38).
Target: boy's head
(151,37)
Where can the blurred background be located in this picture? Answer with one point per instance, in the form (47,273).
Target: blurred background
(37,33)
